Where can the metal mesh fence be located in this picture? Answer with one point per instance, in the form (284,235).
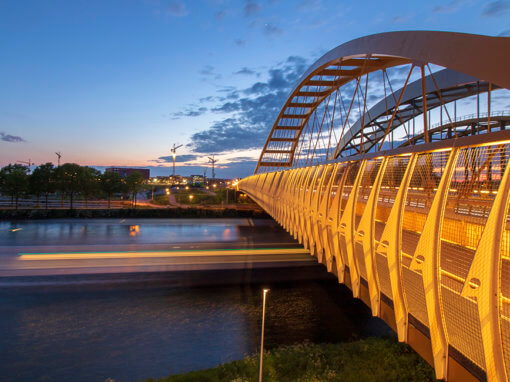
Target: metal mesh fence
(364,189)
(390,184)
(504,295)
(350,178)
(326,182)
(336,186)
(473,187)
(423,184)
(333,214)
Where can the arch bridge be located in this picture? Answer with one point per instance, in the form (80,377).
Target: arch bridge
(413,216)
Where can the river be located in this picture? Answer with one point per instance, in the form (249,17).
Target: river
(146,327)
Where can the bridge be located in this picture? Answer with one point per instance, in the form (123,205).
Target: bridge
(413,217)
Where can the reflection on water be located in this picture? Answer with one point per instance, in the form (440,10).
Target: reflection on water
(138,329)
(135,231)
(134,333)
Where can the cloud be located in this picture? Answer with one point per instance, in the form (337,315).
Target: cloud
(178,158)
(401,19)
(240,43)
(177,8)
(241,168)
(220,15)
(190,112)
(309,5)
(251,115)
(272,30)
(246,71)
(450,7)
(209,71)
(206,99)
(495,8)
(242,159)
(10,138)
(251,8)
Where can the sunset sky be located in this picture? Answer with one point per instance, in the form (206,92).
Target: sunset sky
(116,83)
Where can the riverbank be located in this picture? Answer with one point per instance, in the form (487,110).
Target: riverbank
(189,212)
(373,359)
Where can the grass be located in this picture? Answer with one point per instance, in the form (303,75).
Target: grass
(373,359)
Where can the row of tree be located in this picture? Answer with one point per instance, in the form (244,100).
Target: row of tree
(69,180)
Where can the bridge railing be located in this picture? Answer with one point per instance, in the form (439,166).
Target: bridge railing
(473,116)
(423,233)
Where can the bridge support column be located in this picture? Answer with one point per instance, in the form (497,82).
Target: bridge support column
(306,217)
(484,283)
(296,202)
(390,243)
(347,229)
(333,219)
(318,212)
(426,261)
(322,219)
(366,233)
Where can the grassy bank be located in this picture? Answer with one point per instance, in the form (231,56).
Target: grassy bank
(374,359)
(122,213)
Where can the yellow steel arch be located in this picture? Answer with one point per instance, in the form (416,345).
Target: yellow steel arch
(482,57)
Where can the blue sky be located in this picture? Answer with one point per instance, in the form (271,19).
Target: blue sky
(116,83)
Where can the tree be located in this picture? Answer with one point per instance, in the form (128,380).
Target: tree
(42,181)
(14,181)
(134,184)
(68,180)
(111,183)
(88,179)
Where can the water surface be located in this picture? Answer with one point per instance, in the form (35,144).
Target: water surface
(132,333)
(130,327)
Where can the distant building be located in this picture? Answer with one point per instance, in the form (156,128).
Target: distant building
(126,171)
(196,178)
(218,182)
(177,179)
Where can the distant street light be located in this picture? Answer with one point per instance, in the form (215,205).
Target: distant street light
(262,335)
(190,198)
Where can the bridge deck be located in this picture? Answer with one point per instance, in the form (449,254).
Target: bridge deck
(427,232)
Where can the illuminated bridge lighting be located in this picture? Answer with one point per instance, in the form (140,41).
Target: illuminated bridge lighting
(156,254)
(414,217)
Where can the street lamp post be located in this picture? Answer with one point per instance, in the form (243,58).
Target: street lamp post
(262,334)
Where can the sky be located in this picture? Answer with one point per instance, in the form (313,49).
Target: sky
(117,83)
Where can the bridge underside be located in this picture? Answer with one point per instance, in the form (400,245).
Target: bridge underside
(421,234)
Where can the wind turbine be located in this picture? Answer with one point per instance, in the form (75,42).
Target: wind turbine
(173,150)
(59,155)
(213,161)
